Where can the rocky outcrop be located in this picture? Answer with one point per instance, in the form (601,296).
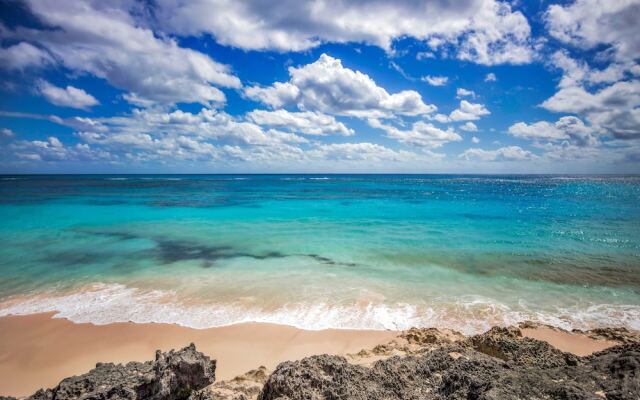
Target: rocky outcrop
(411,342)
(620,335)
(244,387)
(172,376)
(508,344)
(418,364)
(499,364)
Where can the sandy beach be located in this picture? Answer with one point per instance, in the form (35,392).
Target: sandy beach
(576,343)
(38,351)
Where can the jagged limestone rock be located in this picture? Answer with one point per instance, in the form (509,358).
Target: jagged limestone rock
(172,376)
(499,364)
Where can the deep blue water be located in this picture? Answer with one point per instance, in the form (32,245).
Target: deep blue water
(317,251)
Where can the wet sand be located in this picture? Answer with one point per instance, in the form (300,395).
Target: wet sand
(38,351)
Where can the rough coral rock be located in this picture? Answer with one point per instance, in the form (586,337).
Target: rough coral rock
(419,364)
(172,376)
(243,387)
(499,364)
(620,335)
(509,345)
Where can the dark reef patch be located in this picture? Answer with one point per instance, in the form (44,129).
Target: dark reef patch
(168,251)
(328,261)
(113,234)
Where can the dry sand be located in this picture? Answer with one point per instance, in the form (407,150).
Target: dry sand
(576,343)
(38,351)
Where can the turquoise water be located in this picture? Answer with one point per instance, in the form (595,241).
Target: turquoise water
(314,251)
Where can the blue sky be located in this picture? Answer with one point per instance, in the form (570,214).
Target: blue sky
(473,86)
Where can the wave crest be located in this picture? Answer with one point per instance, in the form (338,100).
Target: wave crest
(102,304)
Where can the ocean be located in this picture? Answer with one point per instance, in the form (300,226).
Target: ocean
(323,251)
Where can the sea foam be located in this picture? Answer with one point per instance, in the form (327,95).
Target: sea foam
(102,304)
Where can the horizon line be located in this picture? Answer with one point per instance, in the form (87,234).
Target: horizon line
(321,173)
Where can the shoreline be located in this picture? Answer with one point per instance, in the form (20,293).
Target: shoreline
(38,351)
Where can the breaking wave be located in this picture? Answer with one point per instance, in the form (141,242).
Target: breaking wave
(102,303)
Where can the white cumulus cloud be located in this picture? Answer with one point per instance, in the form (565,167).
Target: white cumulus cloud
(370,152)
(484,31)
(105,40)
(421,134)
(66,97)
(590,23)
(566,128)
(327,86)
(469,111)
(53,149)
(435,80)
(510,153)
(613,109)
(23,55)
(462,92)
(469,127)
(308,122)
(7,133)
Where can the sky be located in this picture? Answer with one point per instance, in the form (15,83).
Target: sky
(322,86)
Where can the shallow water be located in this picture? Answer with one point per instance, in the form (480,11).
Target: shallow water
(315,251)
